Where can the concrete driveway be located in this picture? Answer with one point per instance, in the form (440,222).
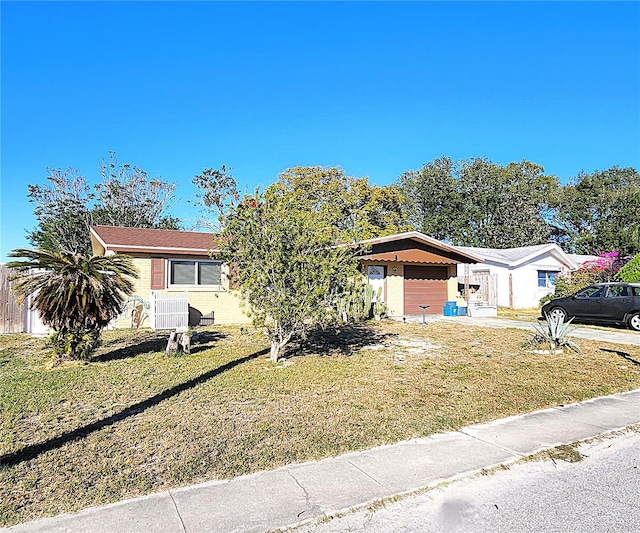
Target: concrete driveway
(621,336)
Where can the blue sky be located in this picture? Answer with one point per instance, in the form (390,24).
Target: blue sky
(375,88)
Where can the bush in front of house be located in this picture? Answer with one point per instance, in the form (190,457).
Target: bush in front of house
(77,296)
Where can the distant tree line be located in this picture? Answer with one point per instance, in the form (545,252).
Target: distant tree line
(477,202)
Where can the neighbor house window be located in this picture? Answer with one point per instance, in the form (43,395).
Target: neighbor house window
(547,278)
(195,272)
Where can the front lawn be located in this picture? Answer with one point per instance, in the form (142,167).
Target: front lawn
(133,422)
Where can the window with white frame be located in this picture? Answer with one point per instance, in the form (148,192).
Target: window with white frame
(547,278)
(200,272)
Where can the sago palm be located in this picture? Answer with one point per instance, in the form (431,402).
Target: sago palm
(75,295)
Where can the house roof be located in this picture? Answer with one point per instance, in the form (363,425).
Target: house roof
(579,259)
(416,255)
(514,257)
(144,240)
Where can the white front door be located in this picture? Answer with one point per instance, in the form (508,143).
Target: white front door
(376,280)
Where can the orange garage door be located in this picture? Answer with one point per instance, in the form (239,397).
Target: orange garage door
(424,285)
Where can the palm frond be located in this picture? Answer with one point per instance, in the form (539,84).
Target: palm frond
(73,293)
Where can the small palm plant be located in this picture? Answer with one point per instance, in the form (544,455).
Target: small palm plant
(75,295)
(554,334)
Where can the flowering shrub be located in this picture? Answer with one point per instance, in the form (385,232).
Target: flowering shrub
(602,269)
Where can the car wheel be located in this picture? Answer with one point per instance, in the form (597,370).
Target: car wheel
(559,313)
(634,321)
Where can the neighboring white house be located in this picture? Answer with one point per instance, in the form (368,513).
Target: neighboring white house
(519,277)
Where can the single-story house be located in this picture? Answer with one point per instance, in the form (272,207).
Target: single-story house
(179,268)
(414,269)
(515,277)
(178,274)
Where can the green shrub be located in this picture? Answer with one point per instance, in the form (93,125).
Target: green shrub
(630,272)
(75,343)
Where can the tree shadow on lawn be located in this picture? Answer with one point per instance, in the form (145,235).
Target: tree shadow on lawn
(158,344)
(624,355)
(34,450)
(206,340)
(346,340)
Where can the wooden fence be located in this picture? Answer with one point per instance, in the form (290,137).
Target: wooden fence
(486,285)
(11,314)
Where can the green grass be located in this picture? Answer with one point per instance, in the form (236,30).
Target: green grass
(133,422)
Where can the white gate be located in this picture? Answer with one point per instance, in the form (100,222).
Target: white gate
(169,311)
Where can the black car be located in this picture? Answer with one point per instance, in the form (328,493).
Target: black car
(613,303)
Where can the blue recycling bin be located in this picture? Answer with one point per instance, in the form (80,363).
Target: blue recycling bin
(450,308)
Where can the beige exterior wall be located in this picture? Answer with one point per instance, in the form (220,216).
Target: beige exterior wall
(224,303)
(395,289)
(452,283)
(395,285)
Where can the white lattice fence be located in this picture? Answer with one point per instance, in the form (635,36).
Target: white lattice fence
(169,311)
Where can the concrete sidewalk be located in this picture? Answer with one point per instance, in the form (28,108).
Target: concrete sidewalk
(296,493)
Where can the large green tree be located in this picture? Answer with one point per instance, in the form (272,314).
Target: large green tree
(288,269)
(356,209)
(477,202)
(599,212)
(67,205)
(75,295)
(503,206)
(432,200)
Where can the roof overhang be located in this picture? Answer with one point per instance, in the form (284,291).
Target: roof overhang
(420,256)
(409,256)
(555,251)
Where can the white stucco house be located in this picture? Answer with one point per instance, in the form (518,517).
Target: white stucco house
(515,277)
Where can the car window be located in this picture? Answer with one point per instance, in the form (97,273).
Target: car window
(636,291)
(590,292)
(617,290)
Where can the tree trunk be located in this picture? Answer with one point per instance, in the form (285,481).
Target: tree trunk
(276,347)
(279,339)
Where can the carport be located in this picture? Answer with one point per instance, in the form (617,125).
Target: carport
(413,269)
